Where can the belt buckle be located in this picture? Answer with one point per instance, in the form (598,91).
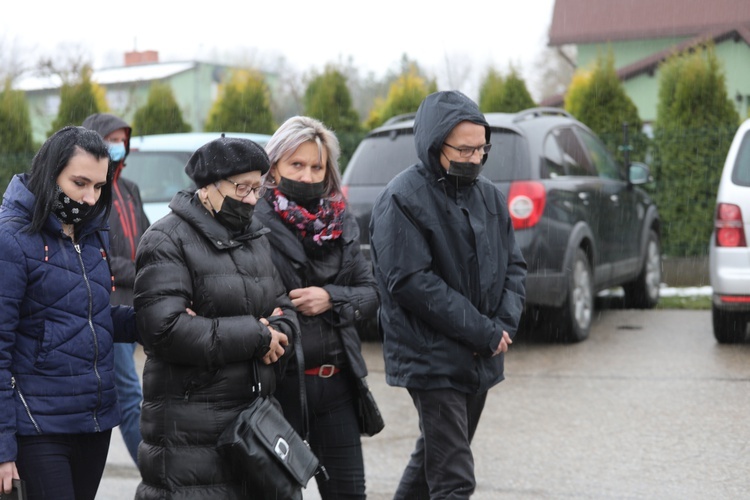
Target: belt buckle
(326,371)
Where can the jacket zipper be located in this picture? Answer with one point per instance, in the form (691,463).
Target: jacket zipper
(25,404)
(96,343)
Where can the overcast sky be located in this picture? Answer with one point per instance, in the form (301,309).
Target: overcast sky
(466,37)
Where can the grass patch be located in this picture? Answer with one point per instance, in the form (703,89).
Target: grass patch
(687,302)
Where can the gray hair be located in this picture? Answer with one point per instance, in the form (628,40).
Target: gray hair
(298,130)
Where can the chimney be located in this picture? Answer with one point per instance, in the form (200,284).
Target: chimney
(144,57)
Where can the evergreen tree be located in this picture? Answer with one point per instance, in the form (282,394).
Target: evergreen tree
(160,114)
(404,96)
(328,99)
(694,127)
(15,122)
(16,145)
(598,99)
(78,100)
(516,96)
(244,105)
(491,92)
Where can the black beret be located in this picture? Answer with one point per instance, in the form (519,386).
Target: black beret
(225,157)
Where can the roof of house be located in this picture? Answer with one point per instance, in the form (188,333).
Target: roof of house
(598,21)
(108,76)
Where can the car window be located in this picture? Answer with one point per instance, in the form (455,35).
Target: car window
(574,158)
(379,158)
(159,175)
(509,158)
(600,157)
(741,172)
(553,164)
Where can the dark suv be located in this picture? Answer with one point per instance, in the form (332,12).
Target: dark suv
(582,223)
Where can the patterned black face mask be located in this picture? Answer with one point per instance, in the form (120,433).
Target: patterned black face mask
(70,211)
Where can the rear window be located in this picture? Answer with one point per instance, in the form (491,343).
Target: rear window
(159,175)
(380,158)
(741,172)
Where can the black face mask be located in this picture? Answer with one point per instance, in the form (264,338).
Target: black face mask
(302,192)
(464,172)
(69,211)
(234,215)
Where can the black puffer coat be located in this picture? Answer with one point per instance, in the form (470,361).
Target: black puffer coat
(198,372)
(450,272)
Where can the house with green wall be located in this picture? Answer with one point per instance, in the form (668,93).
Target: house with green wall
(643,33)
(195,85)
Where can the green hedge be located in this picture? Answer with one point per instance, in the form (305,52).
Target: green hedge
(11,164)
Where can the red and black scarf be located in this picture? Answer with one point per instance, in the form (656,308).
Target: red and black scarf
(315,230)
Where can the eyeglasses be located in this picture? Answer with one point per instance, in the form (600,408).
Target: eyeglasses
(469,152)
(242,190)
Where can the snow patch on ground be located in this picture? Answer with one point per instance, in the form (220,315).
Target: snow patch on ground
(665,291)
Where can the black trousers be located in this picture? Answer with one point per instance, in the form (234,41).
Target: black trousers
(62,466)
(334,432)
(442,465)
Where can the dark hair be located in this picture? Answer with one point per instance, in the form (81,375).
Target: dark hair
(52,158)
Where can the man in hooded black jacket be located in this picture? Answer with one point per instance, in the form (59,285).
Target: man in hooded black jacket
(451,278)
(127,223)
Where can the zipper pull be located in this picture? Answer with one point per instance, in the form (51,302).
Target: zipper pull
(77,247)
(12,382)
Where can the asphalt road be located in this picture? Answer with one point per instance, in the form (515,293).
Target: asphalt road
(649,407)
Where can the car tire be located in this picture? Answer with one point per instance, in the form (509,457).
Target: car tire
(729,327)
(572,321)
(643,292)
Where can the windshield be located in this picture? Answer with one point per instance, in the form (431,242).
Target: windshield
(380,158)
(159,175)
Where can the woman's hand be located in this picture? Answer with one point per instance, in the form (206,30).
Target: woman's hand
(311,301)
(8,473)
(276,348)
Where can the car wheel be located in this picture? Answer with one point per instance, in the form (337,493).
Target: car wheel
(643,292)
(729,327)
(572,322)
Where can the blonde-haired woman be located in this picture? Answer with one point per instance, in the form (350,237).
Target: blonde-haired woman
(316,250)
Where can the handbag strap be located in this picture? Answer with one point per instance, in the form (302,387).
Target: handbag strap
(302,386)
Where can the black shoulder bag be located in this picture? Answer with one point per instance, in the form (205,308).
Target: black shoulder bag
(262,445)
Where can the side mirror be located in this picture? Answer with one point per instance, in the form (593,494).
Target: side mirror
(639,174)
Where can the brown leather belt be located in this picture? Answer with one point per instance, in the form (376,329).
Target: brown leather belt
(323,371)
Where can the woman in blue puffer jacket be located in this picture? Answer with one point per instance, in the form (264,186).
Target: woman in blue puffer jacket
(58,403)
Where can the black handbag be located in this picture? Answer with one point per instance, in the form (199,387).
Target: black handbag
(263,447)
(370,420)
(17,493)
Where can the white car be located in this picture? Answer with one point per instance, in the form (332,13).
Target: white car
(729,254)
(157,164)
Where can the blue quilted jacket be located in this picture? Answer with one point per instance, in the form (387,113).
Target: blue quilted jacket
(56,327)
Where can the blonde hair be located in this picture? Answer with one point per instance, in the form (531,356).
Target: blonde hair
(298,130)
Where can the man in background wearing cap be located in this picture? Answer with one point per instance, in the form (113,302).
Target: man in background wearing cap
(211,255)
(127,223)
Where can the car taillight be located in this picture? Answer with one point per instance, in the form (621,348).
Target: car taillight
(526,201)
(345,191)
(728,226)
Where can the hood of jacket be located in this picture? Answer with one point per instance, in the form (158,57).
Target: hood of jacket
(105,124)
(437,116)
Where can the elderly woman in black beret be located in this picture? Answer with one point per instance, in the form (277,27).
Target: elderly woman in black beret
(209,255)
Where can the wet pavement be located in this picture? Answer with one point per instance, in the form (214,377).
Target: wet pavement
(650,406)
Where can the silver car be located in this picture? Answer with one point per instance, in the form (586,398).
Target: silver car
(729,254)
